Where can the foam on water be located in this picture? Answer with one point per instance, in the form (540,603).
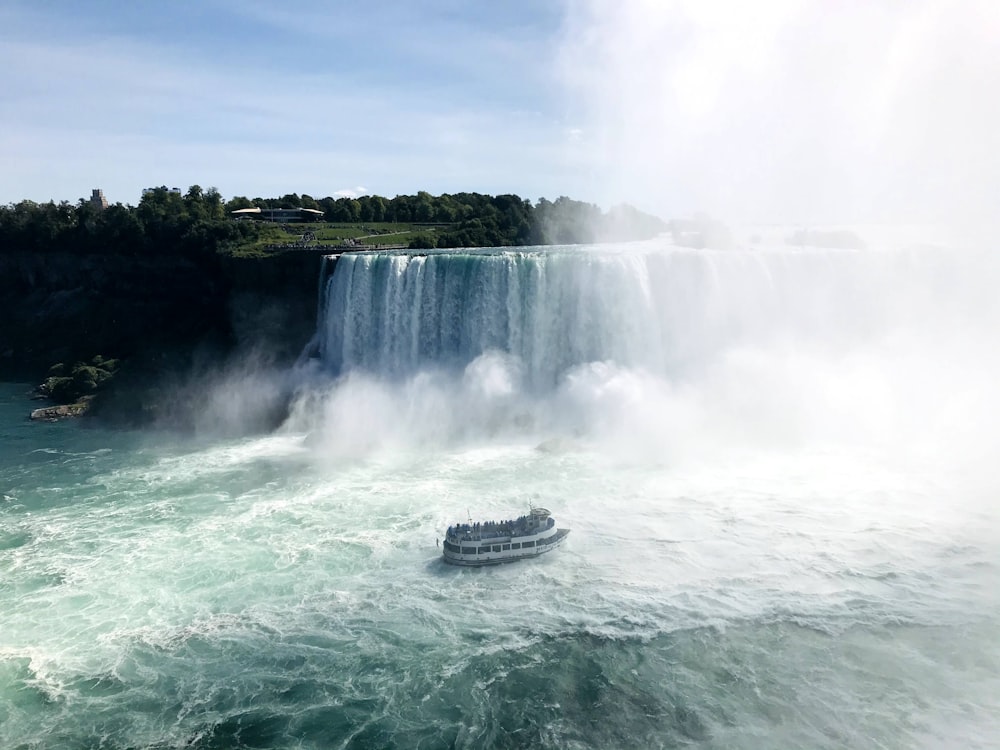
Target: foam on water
(740,595)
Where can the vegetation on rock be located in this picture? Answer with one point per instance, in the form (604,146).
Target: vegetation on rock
(72,384)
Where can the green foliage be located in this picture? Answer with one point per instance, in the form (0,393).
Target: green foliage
(237,203)
(565,222)
(195,224)
(59,389)
(422,242)
(485,221)
(84,379)
(199,223)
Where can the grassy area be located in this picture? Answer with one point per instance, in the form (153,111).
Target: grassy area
(371,234)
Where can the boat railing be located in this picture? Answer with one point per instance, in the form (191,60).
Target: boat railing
(501,530)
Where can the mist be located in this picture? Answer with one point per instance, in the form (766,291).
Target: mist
(654,355)
(787,111)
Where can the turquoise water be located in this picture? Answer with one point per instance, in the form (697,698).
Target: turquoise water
(766,554)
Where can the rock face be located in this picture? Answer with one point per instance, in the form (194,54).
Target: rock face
(63,307)
(271,302)
(159,315)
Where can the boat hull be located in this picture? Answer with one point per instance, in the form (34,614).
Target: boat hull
(500,556)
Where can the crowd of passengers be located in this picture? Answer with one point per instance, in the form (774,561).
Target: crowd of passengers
(487,530)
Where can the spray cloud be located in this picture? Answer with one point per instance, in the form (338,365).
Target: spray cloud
(787,111)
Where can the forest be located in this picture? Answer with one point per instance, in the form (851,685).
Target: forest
(199,222)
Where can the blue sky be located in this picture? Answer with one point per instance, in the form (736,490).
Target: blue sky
(773,111)
(262,99)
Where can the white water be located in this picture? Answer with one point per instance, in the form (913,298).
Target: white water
(671,351)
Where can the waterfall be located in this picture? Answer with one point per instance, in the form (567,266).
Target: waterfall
(667,311)
(650,348)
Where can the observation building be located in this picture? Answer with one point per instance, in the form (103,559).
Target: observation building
(278,214)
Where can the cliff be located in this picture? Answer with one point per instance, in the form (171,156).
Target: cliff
(157,313)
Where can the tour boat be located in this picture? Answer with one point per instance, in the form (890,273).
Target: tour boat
(495,542)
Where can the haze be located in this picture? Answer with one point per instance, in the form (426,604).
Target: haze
(791,111)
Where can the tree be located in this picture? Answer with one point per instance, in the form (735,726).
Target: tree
(214,205)
(400,209)
(329,207)
(118,231)
(366,208)
(194,203)
(423,209)
(377,204)
(237,203)
(341,211)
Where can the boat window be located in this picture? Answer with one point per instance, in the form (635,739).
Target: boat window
(496,547)
(516,545)
(452,547)
(506,547)
(468,550)
(529,544)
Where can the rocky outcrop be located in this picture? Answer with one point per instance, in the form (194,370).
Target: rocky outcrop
(55,413)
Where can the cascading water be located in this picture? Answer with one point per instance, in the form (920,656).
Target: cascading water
(778,466)
(651,308)
(567,339)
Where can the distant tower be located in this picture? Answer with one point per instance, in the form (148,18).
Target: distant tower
(98,200)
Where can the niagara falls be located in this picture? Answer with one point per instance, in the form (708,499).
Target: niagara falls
(556,375)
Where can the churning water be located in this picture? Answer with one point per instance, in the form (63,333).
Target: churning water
(778,466)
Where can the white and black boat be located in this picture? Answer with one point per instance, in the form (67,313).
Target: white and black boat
(495,542)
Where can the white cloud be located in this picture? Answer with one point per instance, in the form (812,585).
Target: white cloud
(350,192)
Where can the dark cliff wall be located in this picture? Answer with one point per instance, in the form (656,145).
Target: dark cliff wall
(271,302)
(61,307)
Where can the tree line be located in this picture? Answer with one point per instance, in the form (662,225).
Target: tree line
(199,221)
(165,221)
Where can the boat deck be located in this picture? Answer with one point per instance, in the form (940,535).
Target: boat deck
(497,530)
